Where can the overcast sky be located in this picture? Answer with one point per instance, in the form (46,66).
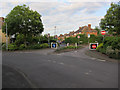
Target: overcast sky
(66,15)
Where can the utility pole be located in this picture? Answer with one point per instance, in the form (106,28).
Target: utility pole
(6,38)
(55,31)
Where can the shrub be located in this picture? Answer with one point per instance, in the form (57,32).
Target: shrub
(12,47)
(21,47)
(99,47)
(4,46)
(70,47)
(109,50)
(44,45)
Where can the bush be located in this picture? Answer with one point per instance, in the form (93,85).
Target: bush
(21,47)
(4,46)
(99,47)
(70,47)
(38,46)
(12,47)
(109,50)
(44,45)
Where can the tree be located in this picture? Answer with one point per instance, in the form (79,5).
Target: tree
(22,20)
(98,30)
(111,20)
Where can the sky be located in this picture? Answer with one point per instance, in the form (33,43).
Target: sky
(66,15)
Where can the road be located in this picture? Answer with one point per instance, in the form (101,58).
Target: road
(67,70)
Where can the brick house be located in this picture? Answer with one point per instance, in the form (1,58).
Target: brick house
(2,35)
(82,30)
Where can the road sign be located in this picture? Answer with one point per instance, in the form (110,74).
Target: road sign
(103,32)
(53,45)
(93,46)
(88,35)
(78,36)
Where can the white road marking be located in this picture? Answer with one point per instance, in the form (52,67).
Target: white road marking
(93,58)
(101,60)
(86,73)
(54,61)
(58,54)
(61,63)
(49,60)
(75,51)
(98,59)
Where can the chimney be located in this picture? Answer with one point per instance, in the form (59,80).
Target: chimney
(89,26)
(79,27)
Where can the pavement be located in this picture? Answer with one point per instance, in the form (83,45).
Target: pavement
(65,70)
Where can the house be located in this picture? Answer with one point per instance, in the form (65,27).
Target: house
(88,30)
(82,30)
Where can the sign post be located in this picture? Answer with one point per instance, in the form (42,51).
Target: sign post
(103,32)
(88,38)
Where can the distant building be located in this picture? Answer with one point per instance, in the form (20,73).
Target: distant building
(2,35)
(82,30)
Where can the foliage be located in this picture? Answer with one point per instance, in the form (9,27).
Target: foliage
(98,30)
(99,46)
(110,46)
(3,46)
(19,39)
(21,47)
(83,39)
(112,41)
(71,40)
(101,49)
(109,50)
(111,20)
(12,47)
(44,45)
(23,20)
(38,46)
(67,48)
(113,53)
(92,38)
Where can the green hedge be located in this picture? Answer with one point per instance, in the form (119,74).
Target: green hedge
(38,46)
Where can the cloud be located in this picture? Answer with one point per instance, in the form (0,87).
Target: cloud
(66,16)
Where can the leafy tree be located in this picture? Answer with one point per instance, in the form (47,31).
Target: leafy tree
(22,20)
(98,30)
(111,20)
(71,40)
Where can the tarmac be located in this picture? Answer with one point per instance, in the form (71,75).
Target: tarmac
(11,76)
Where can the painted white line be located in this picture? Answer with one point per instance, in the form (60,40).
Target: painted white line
(54,61)
(93,58)
(49,60)
(101,60)
(61,63)
(58,54)
(98,59)
(86,73)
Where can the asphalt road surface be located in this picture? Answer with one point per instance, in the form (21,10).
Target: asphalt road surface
(64,70)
